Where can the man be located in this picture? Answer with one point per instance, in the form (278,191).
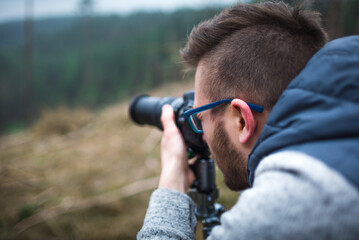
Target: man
(300,155)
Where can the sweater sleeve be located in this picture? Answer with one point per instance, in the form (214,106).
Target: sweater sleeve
(170,215)
(294,196)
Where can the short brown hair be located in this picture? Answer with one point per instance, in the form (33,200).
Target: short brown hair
(253,51)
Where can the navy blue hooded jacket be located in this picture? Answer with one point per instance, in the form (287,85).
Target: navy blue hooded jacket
(318,113)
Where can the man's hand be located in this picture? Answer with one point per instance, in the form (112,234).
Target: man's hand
(175,173)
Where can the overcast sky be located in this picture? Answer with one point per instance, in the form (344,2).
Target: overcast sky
(15,9)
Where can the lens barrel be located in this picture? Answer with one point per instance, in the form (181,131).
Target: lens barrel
(147,110)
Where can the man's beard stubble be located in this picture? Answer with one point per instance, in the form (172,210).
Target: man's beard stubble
(229,160)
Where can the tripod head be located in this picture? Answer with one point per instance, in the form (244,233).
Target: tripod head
(204,193)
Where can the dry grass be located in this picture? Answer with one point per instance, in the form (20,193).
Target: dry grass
(81,175)
(62,121)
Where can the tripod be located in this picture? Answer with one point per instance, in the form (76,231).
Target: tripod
(204,193)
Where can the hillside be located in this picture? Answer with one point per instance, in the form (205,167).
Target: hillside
(91,182)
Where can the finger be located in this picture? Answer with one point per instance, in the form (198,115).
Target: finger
(167,118)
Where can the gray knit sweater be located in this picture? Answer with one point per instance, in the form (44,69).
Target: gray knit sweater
(294,196)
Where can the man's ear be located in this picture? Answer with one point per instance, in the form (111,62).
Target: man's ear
(246,121)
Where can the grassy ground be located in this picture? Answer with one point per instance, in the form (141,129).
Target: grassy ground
(82,175)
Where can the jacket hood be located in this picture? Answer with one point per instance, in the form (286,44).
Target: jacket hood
(318,113)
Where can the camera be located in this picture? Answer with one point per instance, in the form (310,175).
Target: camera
(145,109)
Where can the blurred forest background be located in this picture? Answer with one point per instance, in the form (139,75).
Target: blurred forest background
(88,60)
(72,165)
(92,60)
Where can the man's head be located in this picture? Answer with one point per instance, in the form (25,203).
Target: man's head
(248,53)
